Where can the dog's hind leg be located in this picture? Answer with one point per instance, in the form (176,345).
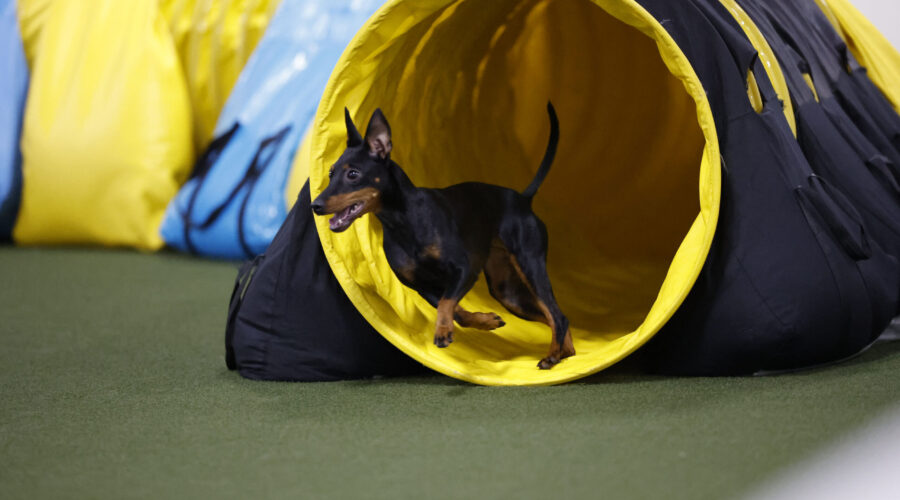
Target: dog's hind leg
(507,284)
(528,287)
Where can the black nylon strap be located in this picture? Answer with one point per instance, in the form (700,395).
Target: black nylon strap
(201,169)
(261,159)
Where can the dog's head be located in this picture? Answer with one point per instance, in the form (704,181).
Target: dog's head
(360,176)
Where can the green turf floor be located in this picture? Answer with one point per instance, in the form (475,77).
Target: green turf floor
(113,385)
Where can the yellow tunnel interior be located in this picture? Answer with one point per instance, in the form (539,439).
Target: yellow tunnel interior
(630,202)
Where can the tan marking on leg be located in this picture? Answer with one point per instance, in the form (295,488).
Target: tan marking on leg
(553,357)
(568,348)
(443,333)
(515,264)
(557,353)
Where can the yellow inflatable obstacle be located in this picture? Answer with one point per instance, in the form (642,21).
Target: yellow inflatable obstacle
(107,130)
(144,84)
(32,17)
(631,202)
(213,39)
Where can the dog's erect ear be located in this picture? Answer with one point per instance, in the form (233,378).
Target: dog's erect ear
(378,135)
(353,137)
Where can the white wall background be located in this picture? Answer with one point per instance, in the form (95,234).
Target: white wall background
(885,15)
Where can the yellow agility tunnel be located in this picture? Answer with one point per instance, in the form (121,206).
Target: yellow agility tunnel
(631,202)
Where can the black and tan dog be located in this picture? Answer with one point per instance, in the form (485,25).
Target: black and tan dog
(437,241)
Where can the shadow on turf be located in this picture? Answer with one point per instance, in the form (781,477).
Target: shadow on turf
(627,371)
(877,352)
(630,370)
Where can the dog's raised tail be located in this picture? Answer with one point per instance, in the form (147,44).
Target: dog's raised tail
(548,155)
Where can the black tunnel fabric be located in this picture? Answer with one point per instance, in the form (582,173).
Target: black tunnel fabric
(794,66)
(859,97)
(830,140)
(856,100)
(289,319)
(793,278)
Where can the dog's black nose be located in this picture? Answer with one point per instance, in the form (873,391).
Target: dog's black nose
(318,207)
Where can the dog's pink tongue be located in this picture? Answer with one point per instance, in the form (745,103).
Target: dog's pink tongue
(339,222)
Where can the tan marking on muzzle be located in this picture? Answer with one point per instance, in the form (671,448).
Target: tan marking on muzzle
(369,196)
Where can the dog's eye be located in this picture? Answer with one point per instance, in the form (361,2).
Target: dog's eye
(352,174)
(331,172)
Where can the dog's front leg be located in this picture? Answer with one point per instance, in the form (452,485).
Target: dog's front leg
(443,333)
(462,281)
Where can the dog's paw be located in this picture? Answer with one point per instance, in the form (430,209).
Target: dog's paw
(495,322)
(548,362)
(443,341)
(443,338)
(483,321)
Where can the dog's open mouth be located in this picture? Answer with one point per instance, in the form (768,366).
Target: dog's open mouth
(342,220)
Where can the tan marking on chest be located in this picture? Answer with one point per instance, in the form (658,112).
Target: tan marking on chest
(433,250)
(407,272)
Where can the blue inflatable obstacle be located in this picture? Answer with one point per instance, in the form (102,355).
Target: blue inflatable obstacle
(13,88)
(234,202)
